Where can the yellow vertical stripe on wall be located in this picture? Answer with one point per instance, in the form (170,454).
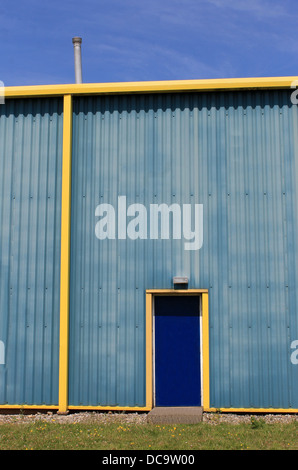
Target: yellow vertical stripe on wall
(65,254)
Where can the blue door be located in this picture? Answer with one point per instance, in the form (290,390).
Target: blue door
(177,351)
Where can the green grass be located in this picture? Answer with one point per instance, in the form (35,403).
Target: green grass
(204,436)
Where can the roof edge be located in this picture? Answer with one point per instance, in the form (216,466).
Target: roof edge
(152,86)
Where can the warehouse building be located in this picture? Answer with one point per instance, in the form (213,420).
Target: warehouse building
(148,247)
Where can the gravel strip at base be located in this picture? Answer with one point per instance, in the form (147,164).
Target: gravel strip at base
(138,418)
(73,418)
(233,418)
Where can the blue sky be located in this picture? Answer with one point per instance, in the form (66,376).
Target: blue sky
(137,40)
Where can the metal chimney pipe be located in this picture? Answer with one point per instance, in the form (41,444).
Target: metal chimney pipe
(77,59)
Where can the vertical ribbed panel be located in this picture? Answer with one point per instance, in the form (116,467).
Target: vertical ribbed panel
(30,200)
(235,153)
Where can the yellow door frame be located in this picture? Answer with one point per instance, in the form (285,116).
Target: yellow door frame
(204,338)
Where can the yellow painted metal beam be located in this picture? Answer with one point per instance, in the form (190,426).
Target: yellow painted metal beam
(149,355)
(205,350)
(151,87)
(148,408)
(252,410)
(28,407)
(65,254)
(109,408)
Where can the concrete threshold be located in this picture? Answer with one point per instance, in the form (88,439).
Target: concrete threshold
(175,415)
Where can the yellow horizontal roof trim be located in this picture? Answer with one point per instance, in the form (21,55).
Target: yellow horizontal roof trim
(151,87)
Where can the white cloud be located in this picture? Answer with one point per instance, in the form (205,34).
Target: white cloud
(259,8)
(144,58)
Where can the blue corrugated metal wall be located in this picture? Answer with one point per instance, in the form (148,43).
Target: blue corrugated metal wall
(235,153)
(30,200)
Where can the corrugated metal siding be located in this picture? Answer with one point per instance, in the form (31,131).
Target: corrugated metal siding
(30,200)
(235,153)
